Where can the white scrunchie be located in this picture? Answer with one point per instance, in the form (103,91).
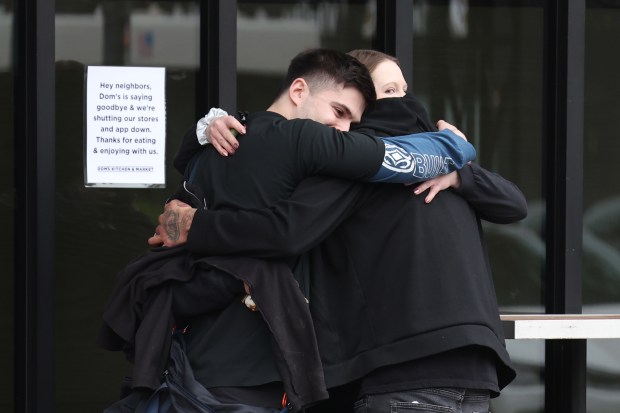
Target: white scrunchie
(203,123)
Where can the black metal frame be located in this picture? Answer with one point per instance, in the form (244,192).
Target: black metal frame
(34,99)
(565,369)
(218,56)
(395,33)
(35,170)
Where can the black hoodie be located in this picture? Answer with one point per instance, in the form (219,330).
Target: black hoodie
(392,279)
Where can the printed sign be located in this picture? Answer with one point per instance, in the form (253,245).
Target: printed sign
(125,127)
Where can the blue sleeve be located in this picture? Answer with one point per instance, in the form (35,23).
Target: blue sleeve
(422,156)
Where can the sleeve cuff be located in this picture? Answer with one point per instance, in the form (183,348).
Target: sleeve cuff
(467,179)
(196,242)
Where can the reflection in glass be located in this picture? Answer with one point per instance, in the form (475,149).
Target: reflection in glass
(527,392)
(601,192)
(99,230)
(270,34)
(6,209)
(603,376)
(601,200)
(480,68)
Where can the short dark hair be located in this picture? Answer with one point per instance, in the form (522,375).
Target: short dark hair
(322,68)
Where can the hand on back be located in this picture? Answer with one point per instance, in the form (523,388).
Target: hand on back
(442,182)
(220,134)
(174,224)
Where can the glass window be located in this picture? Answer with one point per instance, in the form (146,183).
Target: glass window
(601,200)
(480,67)
(7,211)
(601,192)
(99,230)
(270,34)
(603,376)
(527,392)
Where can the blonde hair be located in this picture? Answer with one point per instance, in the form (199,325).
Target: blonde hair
(372,58)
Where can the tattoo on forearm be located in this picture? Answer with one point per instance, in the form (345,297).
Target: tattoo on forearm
(172,225)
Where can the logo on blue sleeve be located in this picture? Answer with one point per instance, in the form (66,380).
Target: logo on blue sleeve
(421,166)
(397,159)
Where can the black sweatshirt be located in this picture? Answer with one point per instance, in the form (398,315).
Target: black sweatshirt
(391,278)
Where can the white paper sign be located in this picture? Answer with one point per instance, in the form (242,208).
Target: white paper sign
(125,127)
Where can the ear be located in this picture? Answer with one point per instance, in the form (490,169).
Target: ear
(298,91)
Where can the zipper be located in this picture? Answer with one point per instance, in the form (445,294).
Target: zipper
(203,202)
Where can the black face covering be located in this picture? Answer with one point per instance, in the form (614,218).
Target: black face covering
(395,117)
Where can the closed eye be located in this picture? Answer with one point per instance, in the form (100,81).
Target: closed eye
(342,112)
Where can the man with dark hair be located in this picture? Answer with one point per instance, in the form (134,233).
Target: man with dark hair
(288,142)
(400,290)
(326,69)
(283,145)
